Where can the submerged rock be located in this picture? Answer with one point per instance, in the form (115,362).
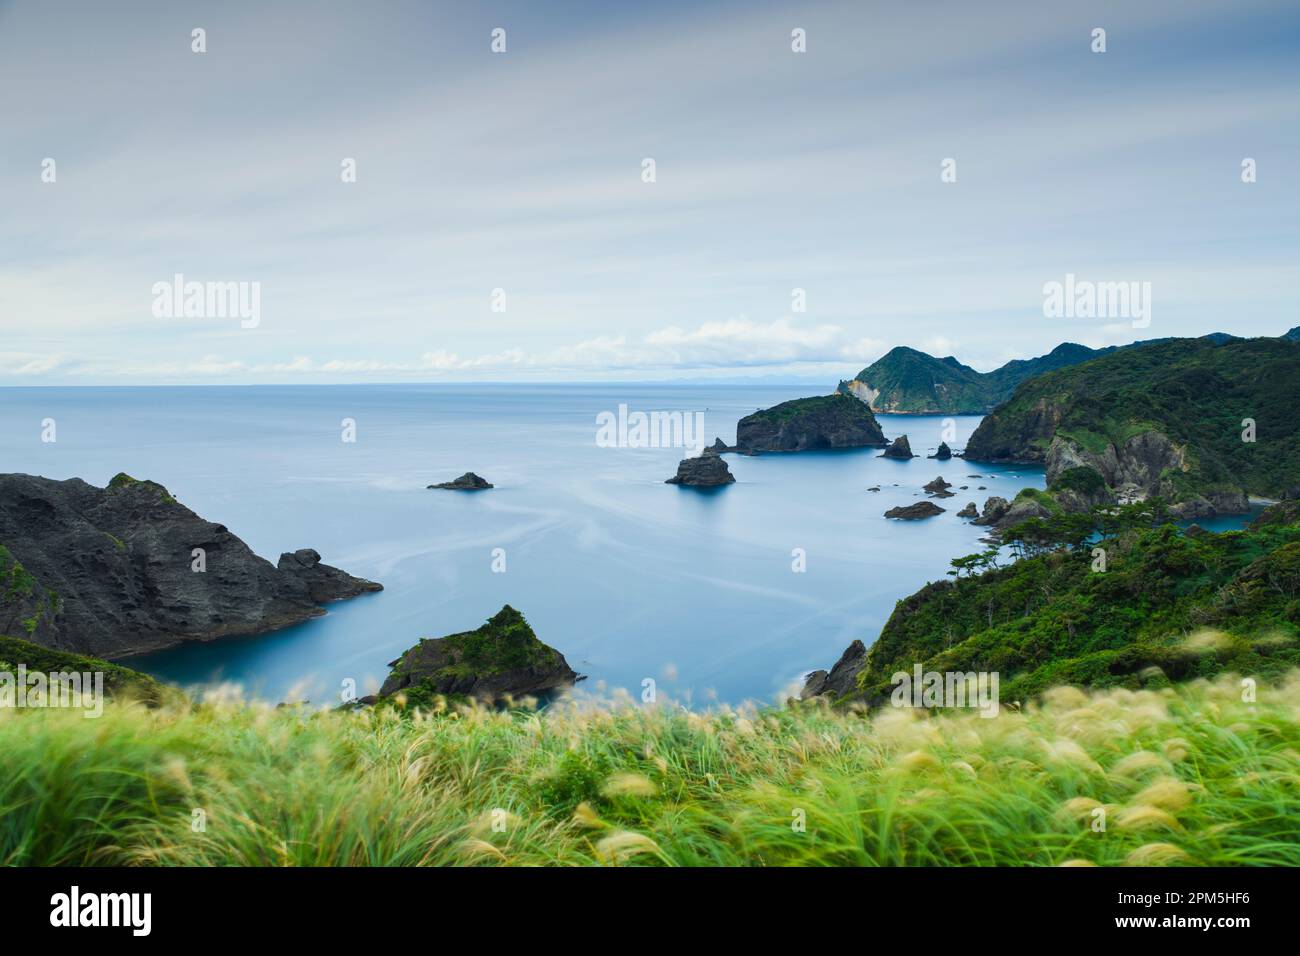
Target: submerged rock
(901,448)
(706,471)
(466,482)
(502,658)
(922,509)
(127,569)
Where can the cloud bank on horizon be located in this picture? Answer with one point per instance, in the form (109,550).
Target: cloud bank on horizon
(802,219)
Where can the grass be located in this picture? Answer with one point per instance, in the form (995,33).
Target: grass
(1185,775)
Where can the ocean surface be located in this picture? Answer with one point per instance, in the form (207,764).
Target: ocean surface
(629,577)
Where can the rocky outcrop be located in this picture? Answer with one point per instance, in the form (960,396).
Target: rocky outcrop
(719,447)
(1283,513)
(939,488)
(706,471)
(125,569)
(1021,509)
(1142,465)
(323,583)
(944,453)
(466,482)
(970,511)
(900,448)
(841,679)
(994,510)
(499,660)
(922,509)
(827,421)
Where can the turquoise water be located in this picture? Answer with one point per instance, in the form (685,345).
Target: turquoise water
(628,577)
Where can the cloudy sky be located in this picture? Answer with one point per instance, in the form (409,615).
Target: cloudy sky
(522,171)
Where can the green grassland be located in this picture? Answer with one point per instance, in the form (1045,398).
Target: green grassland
(1191,775)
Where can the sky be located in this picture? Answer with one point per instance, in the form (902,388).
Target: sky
(500,226)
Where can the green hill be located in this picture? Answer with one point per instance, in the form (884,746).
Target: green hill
(1165,606)
(905,381)
(1168,419)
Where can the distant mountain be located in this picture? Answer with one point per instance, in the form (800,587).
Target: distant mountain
(1293,335)
(907,382)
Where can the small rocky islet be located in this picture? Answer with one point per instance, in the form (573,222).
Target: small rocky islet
(808,424)
(500,660)
(708,470)
(466,482)
(900,448)
(915,512)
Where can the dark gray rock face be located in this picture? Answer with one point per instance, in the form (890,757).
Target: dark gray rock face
(994,509)
(826,421)
(970,511)
(901,448)
(944,452)
(502,658)
(466,482)
(706,471)
(922,509)
(842,678)
(718,447)
(939,487)
(323,582)
(115,570)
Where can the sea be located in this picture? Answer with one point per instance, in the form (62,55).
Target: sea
(719,596)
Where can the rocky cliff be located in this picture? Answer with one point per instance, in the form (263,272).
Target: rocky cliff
(126,569)
(827,421)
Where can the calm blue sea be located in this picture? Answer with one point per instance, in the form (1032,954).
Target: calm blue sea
(629,577)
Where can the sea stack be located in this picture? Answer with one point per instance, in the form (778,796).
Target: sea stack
(944,452)
(901,448)
(707,471)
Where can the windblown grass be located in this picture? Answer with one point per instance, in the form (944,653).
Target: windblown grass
(1190,775)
